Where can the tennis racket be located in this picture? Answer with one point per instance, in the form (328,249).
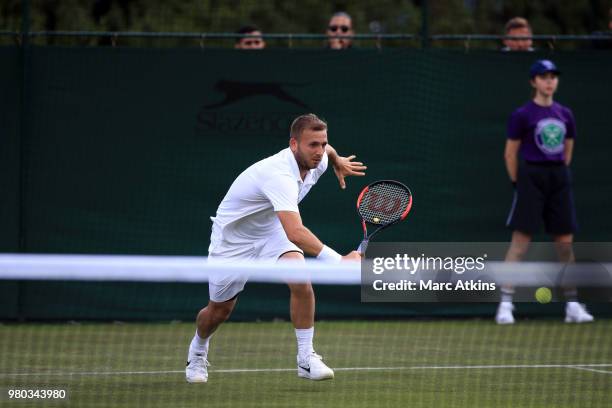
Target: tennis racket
(382,204)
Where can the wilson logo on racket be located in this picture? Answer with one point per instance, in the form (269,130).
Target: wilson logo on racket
(382,203)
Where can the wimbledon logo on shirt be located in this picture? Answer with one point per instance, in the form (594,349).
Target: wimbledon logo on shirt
(550,135)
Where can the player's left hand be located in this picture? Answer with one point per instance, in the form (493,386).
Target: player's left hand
(345,166)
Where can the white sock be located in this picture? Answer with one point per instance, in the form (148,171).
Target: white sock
(304,341)
(198,344)
(507,294)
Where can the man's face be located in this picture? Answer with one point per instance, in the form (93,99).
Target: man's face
(339,26)
(251,43)
(519,45)
(309,150)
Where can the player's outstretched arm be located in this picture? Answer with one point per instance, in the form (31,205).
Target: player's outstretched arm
(344,166)
(307,241)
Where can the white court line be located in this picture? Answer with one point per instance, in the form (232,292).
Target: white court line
(273,370)
(590,369)
(95,373)
(511,366)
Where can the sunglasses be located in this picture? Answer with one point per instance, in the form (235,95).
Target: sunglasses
(343,28)
(251,42)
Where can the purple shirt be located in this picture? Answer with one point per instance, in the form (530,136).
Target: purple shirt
(542,131)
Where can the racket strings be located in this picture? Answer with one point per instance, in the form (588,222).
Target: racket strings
(384,203)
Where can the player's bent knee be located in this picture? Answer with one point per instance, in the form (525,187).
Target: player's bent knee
(301,289)
(222,315)
(221,311)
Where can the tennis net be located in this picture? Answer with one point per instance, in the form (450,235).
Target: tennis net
(114,331)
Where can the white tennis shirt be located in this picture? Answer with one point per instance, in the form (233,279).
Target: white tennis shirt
(247,212)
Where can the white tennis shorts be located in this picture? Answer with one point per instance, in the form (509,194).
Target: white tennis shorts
(225,286)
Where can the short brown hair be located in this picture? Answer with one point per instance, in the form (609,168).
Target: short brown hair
(309,121)
(517,22)
(244,30)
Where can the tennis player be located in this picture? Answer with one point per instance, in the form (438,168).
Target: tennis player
(542,133)
(259,219)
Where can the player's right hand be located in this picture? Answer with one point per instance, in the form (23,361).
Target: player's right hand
(352,256)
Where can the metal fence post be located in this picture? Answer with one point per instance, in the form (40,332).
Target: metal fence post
(425,24)
(23,123)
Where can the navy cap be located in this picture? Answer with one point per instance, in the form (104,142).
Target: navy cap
(543,66)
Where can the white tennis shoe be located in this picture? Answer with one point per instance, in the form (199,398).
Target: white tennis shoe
(312,367)
(197,368)
(504,313)
(576,313)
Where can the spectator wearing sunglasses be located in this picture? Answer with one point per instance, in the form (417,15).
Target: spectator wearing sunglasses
(250,43)
(518,27)
(339,31)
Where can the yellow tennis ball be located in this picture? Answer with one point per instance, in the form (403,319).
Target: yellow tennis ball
(376,220)
(543,295)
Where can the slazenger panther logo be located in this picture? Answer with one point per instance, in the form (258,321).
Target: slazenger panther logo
(235,91)
(214,119)
(550,135)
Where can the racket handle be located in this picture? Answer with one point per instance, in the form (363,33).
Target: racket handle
(363,246)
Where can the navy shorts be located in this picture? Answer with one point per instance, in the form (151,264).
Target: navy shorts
(543,192)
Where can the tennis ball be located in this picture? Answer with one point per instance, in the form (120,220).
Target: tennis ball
(543,295)
(376,220)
